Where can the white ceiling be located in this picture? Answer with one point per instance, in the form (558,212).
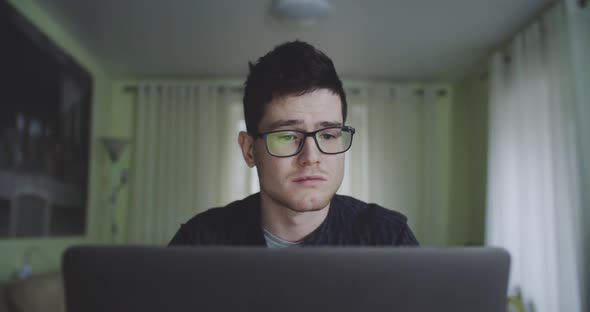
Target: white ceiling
(396,39)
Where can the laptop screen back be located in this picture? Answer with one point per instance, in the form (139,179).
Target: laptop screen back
(310,279)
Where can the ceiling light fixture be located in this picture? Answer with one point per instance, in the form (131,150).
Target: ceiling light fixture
(301,11)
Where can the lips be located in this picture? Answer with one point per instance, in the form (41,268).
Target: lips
(309,180)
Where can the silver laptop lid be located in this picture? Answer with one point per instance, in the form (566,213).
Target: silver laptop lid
(309,279)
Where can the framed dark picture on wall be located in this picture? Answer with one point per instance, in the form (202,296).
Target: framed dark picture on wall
(45,106)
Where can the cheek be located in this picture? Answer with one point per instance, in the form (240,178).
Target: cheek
(268,167)
(338,165)
(260,155)
(337,169)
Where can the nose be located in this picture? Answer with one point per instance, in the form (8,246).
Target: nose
(310,154)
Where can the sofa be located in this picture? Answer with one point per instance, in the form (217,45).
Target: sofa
(39,293)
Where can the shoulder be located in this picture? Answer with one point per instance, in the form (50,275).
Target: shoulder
(382,226)
(218,223)
(222,217)
(363,211)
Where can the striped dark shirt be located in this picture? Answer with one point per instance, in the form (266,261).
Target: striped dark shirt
(350,222)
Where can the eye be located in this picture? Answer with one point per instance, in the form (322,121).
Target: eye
(327,136)
(286,137)
(330,135)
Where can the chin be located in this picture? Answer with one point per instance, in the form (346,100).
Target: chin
(300,200)
(305,209)
(309,202)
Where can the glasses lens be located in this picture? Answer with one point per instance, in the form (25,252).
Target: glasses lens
(283,143)
(334,140)
(330,141)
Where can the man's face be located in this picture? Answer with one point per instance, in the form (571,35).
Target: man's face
(308,180)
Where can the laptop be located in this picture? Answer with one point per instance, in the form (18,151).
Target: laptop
(230,279)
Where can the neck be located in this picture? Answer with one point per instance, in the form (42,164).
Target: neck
(288,224)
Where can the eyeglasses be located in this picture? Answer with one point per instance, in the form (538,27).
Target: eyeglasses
(286,143)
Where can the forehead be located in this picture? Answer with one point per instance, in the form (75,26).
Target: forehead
(311,109)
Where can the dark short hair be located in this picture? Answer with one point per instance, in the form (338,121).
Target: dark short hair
(292,68)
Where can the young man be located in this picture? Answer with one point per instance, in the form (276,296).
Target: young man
(295,110)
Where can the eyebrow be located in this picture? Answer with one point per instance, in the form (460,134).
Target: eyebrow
(327,124)
(296,122)
(284,123)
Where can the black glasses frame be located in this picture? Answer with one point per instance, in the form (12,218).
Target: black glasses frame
(305,135)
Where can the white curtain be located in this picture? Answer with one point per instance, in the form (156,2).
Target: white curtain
(181,149)
(533,187)
(409,159)
(356,174)
(186,156)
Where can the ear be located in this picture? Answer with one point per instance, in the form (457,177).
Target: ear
(246,143)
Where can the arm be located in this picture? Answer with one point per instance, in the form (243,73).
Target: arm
(406,237)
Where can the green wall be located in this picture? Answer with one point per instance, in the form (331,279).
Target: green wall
(450,222)
(460,175)
(579,30)
(469,161)
(46,252)
(122,125)
(433,228)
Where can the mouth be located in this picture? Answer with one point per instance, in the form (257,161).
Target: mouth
(309,180)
